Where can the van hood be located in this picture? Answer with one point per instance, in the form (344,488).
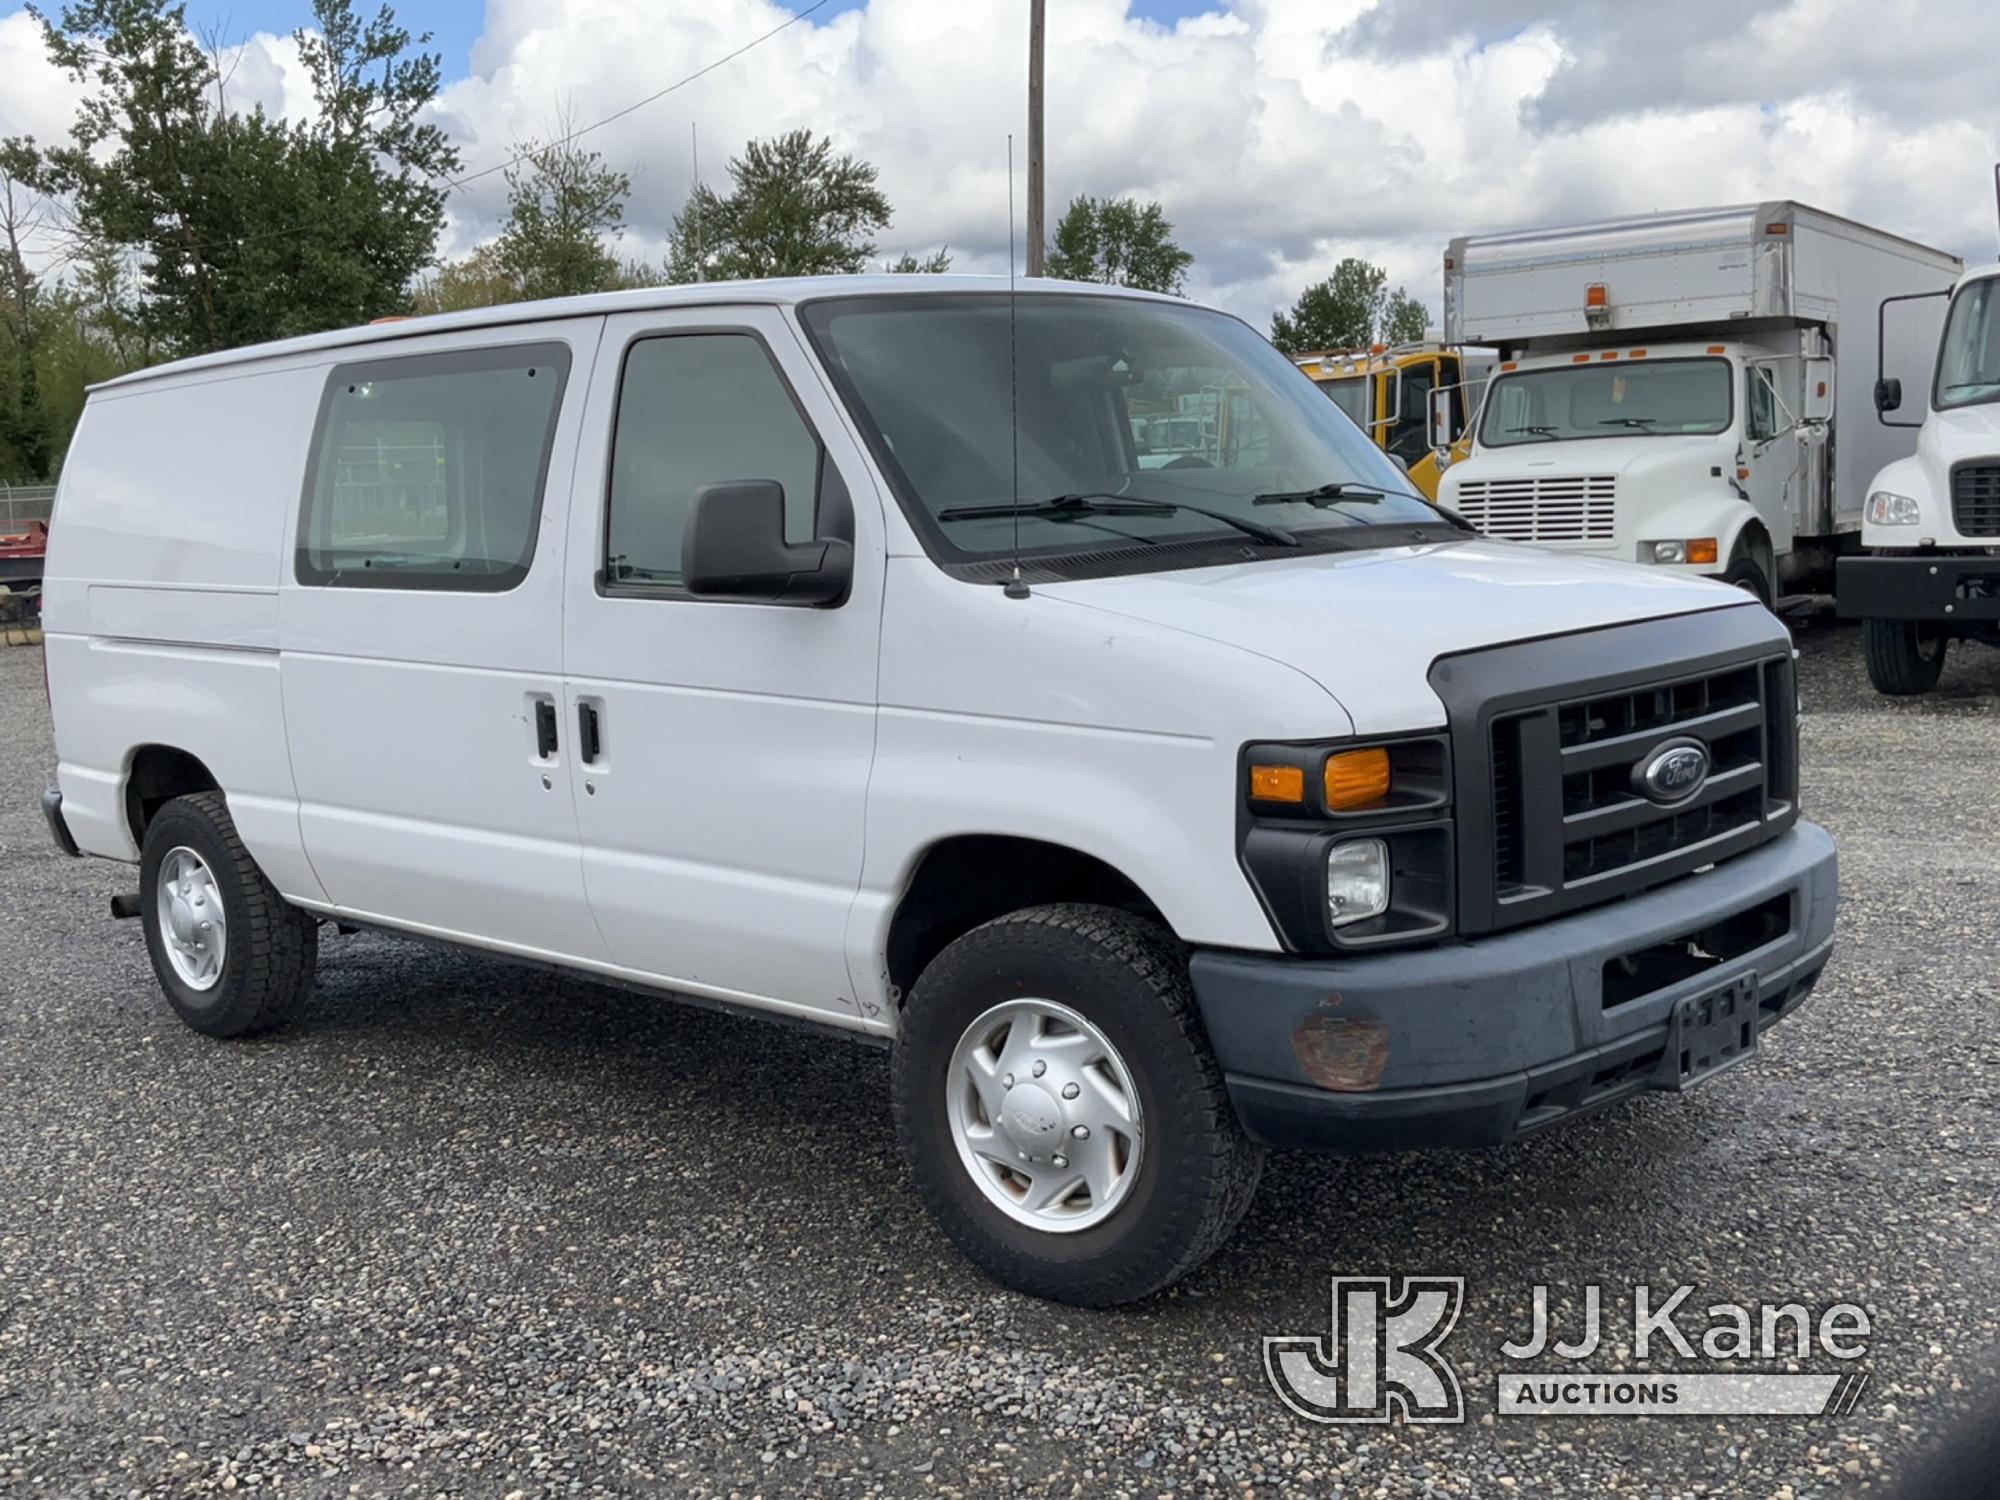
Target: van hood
(1689,461)
(1368,625)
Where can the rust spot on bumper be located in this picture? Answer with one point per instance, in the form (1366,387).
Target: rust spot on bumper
(1340,1052)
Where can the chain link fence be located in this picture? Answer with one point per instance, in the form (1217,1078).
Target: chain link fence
(25,502)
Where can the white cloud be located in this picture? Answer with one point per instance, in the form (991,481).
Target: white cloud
(1279,134)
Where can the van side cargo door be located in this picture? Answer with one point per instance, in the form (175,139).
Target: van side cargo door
(421,637)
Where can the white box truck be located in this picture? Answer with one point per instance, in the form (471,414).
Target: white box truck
(1932,525)
(1688,390)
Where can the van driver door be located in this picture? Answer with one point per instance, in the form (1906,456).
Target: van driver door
(724,748)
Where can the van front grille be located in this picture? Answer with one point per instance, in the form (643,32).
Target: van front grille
(1574,508)
(1975,498)
(1571,824)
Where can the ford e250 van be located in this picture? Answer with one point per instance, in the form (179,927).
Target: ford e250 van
(840,650)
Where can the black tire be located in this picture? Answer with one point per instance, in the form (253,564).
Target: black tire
(1905,657)
(272,946)
(1197,1171)
(1746,571)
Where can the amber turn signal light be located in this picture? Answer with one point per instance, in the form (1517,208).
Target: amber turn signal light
(1277,784)
(1355,778)
(1701,549)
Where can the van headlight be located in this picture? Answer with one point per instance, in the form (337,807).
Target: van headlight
(1348,843)
(1887,508)
(1357,881)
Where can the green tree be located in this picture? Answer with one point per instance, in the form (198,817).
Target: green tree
(26,433)
(245,227)
(906,264)
(1120,241)
(795,209)
(564,210)
(1350,309)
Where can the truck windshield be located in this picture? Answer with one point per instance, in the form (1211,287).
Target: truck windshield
(1350,395)
(1969,357)
(1119,399)
(1659,398)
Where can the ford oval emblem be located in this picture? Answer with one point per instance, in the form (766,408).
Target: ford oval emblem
(1673,772)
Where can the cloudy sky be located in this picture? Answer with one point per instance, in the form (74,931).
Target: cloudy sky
(1279,134)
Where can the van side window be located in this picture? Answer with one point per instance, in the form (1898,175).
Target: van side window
(698,409)
(427,471)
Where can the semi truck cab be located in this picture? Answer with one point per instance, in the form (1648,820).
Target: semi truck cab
(1689,455)
(1931,527)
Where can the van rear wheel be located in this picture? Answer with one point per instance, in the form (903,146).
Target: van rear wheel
(1061,1111)
(1905,657)
(233,956)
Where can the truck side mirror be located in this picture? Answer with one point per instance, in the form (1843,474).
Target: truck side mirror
(1818,403)
(1438,433)
(1888,394)
(734,547)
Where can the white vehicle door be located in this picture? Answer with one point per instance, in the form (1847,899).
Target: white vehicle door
(722,777)
(1768,468)
(421,636)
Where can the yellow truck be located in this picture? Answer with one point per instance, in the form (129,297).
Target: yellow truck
(1387,392)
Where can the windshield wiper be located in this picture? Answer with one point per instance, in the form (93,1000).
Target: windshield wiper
(1106,503)
(1322,495)
(1641,422)
(1537,431)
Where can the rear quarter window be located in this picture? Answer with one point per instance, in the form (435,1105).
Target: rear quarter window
(427,471)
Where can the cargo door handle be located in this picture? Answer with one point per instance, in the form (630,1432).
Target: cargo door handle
(587,742)
(545,729)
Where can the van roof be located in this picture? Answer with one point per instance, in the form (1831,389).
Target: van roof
(783,291)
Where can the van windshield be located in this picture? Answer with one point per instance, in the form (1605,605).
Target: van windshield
(1969,357)
(1153,412)
(1657,398)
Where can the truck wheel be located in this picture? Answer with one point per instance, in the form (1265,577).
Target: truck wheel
(1746,571)
(232,954)
(1061,1111)
(1904,656)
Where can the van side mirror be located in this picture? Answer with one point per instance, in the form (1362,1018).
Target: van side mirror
(1818,403)
(734,547)
(1438,432)
(1888,394)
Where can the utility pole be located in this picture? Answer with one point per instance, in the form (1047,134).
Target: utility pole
(1037,234)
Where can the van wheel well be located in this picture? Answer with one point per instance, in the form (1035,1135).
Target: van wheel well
(964,882)
(161,773)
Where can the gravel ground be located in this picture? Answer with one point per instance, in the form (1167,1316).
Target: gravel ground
(469,1229)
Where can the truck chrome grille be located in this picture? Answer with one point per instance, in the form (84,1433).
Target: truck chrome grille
(1975,498)
(1574,508)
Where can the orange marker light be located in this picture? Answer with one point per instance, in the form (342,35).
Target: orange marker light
(1597,294)
(1702,550)
(1609,354)
(1742,473)
(1277,784)
(1638,354)
(1511,365)
(1774,228)
(1715,348)
(1579,359)
(1355,778)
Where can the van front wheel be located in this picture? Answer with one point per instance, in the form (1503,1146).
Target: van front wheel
(233,956)
(1061,1111)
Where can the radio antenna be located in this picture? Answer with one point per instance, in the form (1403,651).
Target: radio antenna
(1015,588)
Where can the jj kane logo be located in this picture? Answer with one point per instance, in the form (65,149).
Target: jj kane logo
(1380,1357)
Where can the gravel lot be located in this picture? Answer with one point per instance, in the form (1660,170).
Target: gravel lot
(469,1229)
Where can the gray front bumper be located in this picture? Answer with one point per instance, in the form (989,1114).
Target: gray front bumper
(1476,1042)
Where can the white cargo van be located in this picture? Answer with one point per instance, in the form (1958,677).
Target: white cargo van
(771,645)
(1932,525)
(1689,391)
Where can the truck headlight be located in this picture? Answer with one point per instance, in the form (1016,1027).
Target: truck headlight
(1886,508)
(1357,881)
(1700,550)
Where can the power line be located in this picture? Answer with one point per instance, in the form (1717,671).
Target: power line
(459,182)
